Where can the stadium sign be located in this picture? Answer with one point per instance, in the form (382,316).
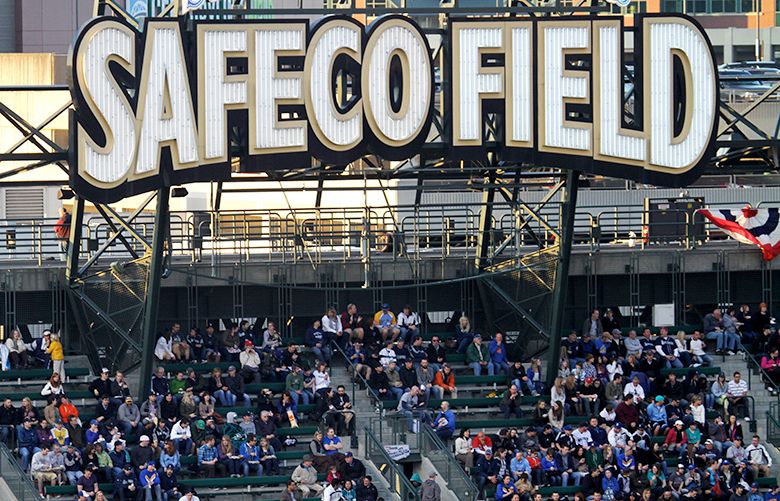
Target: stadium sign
(170,105)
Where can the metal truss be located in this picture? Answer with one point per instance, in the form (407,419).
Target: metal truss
(116,305)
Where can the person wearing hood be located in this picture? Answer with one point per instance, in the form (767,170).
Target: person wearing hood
(430,490)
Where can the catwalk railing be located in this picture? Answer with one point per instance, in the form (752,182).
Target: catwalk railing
(407,233)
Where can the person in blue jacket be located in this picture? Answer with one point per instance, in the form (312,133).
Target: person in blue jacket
(610,484)
(488,468)
(251,454)
(506,489)
(150,483)
(28,443)
(444,422)
(498,357)
(551,468)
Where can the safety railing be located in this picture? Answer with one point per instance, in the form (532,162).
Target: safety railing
(773,424)
(413,233)
(394,429)
(17,481)
(442,458)
(358,380)
(754,365)
(398,482)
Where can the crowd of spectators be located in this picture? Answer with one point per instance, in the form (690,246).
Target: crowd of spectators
(629,415)
(638,431)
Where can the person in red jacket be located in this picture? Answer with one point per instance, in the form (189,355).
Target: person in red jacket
(676,439)
(62,230)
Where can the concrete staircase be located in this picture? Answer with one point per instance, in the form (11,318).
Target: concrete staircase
(762,397)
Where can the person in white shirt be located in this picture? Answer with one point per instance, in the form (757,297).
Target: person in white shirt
(321,378)
(697,346)
(387,354)
(635,389)
(163,350)
(408,322)
(181,435)
(699,412)
(331,326)
(332,491)
(758,458)
(582,436)
(736,391)
(189,497)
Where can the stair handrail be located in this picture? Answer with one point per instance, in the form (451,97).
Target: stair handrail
(454,468)
(398,481)
(16,479)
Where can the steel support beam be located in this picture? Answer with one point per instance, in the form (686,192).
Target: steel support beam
(483,248)
(566,229)
(151,308)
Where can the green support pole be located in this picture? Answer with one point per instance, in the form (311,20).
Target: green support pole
(152,305)
(483,248)
(566,230)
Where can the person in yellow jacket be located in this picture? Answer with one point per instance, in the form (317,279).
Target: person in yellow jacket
(57,356)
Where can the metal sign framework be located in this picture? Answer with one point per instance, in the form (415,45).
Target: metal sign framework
(742,145)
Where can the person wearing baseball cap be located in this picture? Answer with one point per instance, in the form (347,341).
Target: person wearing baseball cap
(385,324)
(250,362)
(430,490)
(488,469)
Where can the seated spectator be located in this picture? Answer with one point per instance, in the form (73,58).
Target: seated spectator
(235,387)
(758,458)
(87,486)
(181,435)
(408,323)
(231,459)
(208,459)
(53,386)
(101,385)
(129,417)
(150,482)
(212,344)
(42,470)
(351,469)
(333,445)
(317,340)
(250,363)
(268,457)
(67,409)
(331,326)
(250,453)
(478,357)
(321,379)
(231,345)
(119,388)
(17,350)
(39,348)
(443,422)
(385,325)
(498,356)
(305,477)
(736,391)
(169,456)
(358,359)
(487,471)
(163,349)
(160,384)
(352,324)
(425,376)
(181,350)
(444,383)
(126,486)
(511,403)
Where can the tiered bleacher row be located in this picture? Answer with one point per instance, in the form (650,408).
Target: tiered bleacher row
(265,402)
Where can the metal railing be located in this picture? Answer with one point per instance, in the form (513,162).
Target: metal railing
(442,458)
(414,233)
(17,481)
(358,381)
(773,424)
(396,479)
(394,429)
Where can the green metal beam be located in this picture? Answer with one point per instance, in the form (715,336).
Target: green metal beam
(566,228)
(149,332)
